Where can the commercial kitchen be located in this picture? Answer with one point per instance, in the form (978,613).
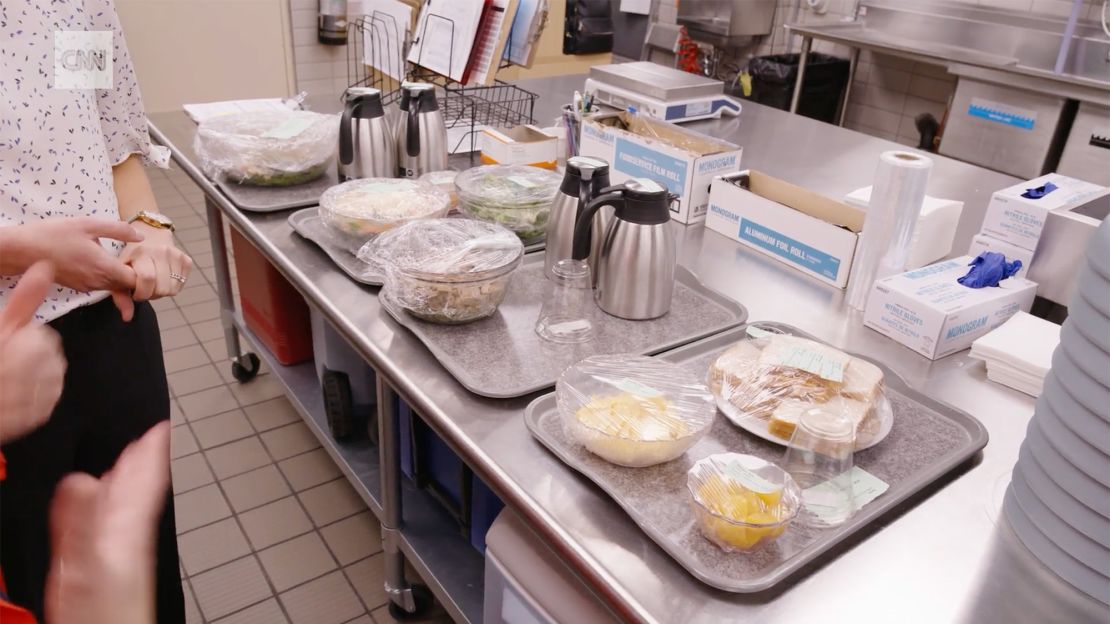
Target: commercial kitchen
(574,298)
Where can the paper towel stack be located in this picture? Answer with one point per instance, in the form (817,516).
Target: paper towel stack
(1018,353)
(1058,502)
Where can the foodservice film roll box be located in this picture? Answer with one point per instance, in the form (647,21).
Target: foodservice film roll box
(682,160)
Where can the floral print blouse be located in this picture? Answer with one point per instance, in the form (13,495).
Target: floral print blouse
(58,146)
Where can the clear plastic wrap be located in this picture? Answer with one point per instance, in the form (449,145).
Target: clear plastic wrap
(515,196)
(360,209)
(741,501)
(444,181)
(633,410)
(768,380)
(445,270)
(267,148)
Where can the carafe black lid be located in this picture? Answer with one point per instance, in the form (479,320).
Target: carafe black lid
(598,173)
(368,99)
(645,202)
(423,92)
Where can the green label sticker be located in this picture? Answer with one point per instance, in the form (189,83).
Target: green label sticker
(757,333)
(811,361)
(823,499)
(289,128)
(747,477)
(522,182)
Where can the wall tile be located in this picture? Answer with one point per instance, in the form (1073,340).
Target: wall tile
(931,88)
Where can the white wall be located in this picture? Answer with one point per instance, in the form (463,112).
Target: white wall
(203,50)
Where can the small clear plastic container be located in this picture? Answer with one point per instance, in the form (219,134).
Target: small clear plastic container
(367,207)
(444,181)
(741,502)
(820,459)
(515,196)
(633,410)
(448,271)
(567,302)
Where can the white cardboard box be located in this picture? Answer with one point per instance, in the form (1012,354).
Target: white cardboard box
(682,160)
(935,229)
(810,232)
(930,312)
(983,242)
(1019,220)
(522,145)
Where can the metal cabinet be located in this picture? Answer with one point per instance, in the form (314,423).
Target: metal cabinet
(1087,152)
(1003,128)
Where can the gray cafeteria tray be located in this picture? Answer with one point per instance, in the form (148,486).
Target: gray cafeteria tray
(928,440)
(307,223)
(277,198)
(502,357)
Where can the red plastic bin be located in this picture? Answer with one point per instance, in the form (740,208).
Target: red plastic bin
(272,308)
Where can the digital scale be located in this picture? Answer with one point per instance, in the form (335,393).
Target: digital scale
(661,92)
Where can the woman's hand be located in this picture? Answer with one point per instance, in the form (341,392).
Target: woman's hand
(103,535)
(32,364)
(161,269)
(72,245)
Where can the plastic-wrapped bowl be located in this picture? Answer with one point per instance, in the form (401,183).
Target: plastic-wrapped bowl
(267,148)
(367,207)
(633,410)
(742,502)
(448,271)
(515,196)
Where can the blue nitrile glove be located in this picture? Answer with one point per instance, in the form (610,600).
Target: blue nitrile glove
(1040,191)
(988,269)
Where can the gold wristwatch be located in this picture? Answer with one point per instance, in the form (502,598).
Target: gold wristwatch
(153,219)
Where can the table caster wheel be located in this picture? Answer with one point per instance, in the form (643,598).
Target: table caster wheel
(246,367)
(421,597)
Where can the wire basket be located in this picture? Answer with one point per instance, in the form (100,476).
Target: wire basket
(466,109)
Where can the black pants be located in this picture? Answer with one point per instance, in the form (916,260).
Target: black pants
(115,390)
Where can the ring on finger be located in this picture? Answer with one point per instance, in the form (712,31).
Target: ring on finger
(177,276)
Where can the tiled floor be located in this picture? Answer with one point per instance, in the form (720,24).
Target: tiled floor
(269,531)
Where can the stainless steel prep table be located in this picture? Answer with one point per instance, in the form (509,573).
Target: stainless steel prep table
(945,558)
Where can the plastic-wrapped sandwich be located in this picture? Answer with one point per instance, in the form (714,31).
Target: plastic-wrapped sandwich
(770,380)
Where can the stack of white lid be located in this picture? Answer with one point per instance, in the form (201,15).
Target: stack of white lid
(1058,502)
(1018,353)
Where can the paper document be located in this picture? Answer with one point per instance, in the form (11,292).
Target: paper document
(208,110)
(525,31)
(386,26)
(490,43)
(642,7)
(445,35)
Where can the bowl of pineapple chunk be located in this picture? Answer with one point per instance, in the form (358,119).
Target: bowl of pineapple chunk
(741,502)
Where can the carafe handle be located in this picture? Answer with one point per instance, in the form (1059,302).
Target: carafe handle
(346,144)
(412,129)
(582,228)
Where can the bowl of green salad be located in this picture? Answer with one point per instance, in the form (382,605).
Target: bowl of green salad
(514,196)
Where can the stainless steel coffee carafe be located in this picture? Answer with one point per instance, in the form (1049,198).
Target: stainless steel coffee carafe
(366,148)
(421,133)
(583,180)
(636,264)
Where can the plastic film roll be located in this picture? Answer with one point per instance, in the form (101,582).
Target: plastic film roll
(896,200)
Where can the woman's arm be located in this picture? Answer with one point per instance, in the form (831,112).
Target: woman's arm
(161,269)
(133,190)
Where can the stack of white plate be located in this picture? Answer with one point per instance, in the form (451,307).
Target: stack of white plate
(1058,501)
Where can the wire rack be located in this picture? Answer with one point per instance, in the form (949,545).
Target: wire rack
(377,51)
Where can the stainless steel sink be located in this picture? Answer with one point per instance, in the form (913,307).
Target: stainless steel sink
(959,33)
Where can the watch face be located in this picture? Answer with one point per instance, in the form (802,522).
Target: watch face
(159,218)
